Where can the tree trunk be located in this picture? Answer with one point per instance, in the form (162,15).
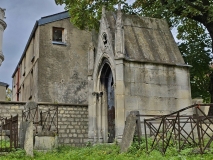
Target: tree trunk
(210,29)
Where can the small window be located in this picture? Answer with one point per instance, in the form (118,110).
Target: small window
(57,34)
(104,38)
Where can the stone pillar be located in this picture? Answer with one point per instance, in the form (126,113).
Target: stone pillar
(119,35)
(119,99)
(3,25)
(91,110)
(100,136)
(95,127)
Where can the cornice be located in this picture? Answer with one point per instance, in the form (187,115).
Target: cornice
(1,56)
(3,23)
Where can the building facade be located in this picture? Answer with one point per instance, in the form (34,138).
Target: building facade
(53,66)
(3,87)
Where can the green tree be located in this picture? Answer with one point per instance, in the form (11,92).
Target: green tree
(192,18)
(8,94)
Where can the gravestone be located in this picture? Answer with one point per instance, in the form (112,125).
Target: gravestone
(22,133)
(138,132)
(32,113)
(30,105)
(129,131)
(28,142)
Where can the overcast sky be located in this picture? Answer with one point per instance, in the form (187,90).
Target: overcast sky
(21,16)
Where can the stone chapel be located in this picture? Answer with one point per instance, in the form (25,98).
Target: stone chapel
(137,66)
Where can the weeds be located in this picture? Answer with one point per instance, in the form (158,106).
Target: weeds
(137,151)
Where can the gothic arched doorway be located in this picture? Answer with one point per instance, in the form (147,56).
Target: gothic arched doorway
(108,101)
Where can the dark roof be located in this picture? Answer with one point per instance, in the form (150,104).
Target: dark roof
(4,84)
(147,40)
(54,17)
(42,21)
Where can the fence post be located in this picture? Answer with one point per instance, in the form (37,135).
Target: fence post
(41,120)
(11,133)
(48,119)
(198,129)
(57,119)
(145,135)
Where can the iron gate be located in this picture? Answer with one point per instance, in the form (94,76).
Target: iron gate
(8,133)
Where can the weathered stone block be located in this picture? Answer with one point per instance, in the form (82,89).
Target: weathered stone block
(22,133)
(128,133)
(66,140)
(64,135)
(80,135)
(46,142)
(76,140)
(28,143)
(14,107)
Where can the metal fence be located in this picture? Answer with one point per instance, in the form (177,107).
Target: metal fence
(42,120)
(8,133)
(179,130)
(49,120)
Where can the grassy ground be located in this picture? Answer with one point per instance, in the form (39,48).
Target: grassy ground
(110,152)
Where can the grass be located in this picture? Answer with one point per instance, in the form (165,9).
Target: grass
(110,152)
(4,144)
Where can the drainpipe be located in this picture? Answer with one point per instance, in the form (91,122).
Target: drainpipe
(17,89)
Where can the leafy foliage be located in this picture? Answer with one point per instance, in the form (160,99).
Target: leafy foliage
(5,144)
(86,13)
(195,48)
(8,94)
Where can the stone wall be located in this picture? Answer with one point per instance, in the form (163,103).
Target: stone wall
(72,120)
(62,69)
(72,123)
(155,88)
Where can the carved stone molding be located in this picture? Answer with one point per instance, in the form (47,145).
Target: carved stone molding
(3,24)
(1,57)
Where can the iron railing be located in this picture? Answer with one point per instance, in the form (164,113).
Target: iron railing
(179,130)
(49,120)
(43,120)
(32,114)
(8,133)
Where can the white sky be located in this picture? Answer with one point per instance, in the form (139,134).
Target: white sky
(21,16)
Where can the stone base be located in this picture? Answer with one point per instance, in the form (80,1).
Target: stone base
(46,142)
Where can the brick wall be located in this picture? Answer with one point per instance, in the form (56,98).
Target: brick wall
(72,120)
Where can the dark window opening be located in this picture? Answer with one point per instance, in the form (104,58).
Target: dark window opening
(57,34)
(105,38)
